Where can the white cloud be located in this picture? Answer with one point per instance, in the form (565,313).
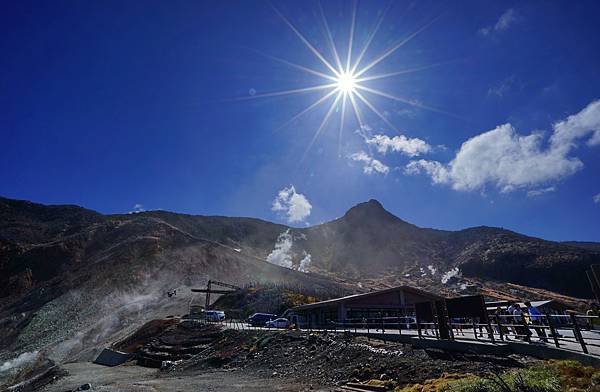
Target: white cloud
(370,164)
(281,254)
(137,208)
(540,191)
(407,146)
(596,198)
(294,205)
(507,19)
(510,161)
(578,126)
(436,170)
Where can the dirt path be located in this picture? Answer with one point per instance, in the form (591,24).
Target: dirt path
(129,378)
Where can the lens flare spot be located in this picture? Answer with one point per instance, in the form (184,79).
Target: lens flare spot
(346,82)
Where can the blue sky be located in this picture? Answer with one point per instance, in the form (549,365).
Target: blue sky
(112,104)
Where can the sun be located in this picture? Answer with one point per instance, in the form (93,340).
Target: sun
(346,82)
(347,78)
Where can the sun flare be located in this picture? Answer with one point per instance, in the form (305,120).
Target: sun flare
(347,78)
(346,82)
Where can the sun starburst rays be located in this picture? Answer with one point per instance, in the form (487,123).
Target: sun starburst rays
(345,77)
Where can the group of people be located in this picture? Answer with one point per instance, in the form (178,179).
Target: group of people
(521,319)
(518,321)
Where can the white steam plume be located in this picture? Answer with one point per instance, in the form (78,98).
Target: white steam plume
(282,253)
(453,273)
(305,262)
(19,361)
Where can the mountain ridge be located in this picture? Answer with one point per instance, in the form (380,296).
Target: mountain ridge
(66,268)
(366,242)
(369,203)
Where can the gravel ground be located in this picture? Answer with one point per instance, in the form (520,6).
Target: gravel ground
(209,358)
(130,378)
(330,360)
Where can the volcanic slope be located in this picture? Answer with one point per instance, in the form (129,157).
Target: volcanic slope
(64,265)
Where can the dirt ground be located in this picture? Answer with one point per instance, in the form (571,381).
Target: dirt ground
(333,360)
(209,358)
(131,378)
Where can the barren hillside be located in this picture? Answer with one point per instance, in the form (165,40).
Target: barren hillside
(66,270)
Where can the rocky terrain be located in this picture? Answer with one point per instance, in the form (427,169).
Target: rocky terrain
(313,361)
(39,243)
(72,279)
(368,241)
(336,359)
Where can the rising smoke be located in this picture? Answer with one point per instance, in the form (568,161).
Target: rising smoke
(283,255)
(432,269)
(19,361)
(305,262)
(453,273)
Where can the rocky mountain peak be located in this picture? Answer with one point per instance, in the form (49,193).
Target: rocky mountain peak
(370,211)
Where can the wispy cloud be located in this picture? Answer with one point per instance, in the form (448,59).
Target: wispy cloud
(504,87)
(510,161)
(370,164)
(540,191)
(596,198)
(295,206)
(506,20)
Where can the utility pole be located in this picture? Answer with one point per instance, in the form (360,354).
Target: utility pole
(208,290)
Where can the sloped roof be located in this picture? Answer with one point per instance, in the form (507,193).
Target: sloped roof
(333,301)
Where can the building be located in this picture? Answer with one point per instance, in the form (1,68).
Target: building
(392,302)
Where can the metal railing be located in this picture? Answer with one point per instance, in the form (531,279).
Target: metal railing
(573,332)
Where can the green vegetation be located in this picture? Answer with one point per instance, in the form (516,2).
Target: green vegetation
(551,376)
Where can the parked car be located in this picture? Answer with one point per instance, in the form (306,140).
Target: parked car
(215,315)
(278,323)
(260,319)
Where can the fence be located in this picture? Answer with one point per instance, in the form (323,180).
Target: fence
(572,332)
(563,331)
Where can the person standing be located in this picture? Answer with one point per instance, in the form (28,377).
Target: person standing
(520,327)
(500,320)
(536,321)
(511,320)
(594,314)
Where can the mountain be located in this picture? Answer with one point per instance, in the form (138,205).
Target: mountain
(40,243)
(368,241)
(67,271)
